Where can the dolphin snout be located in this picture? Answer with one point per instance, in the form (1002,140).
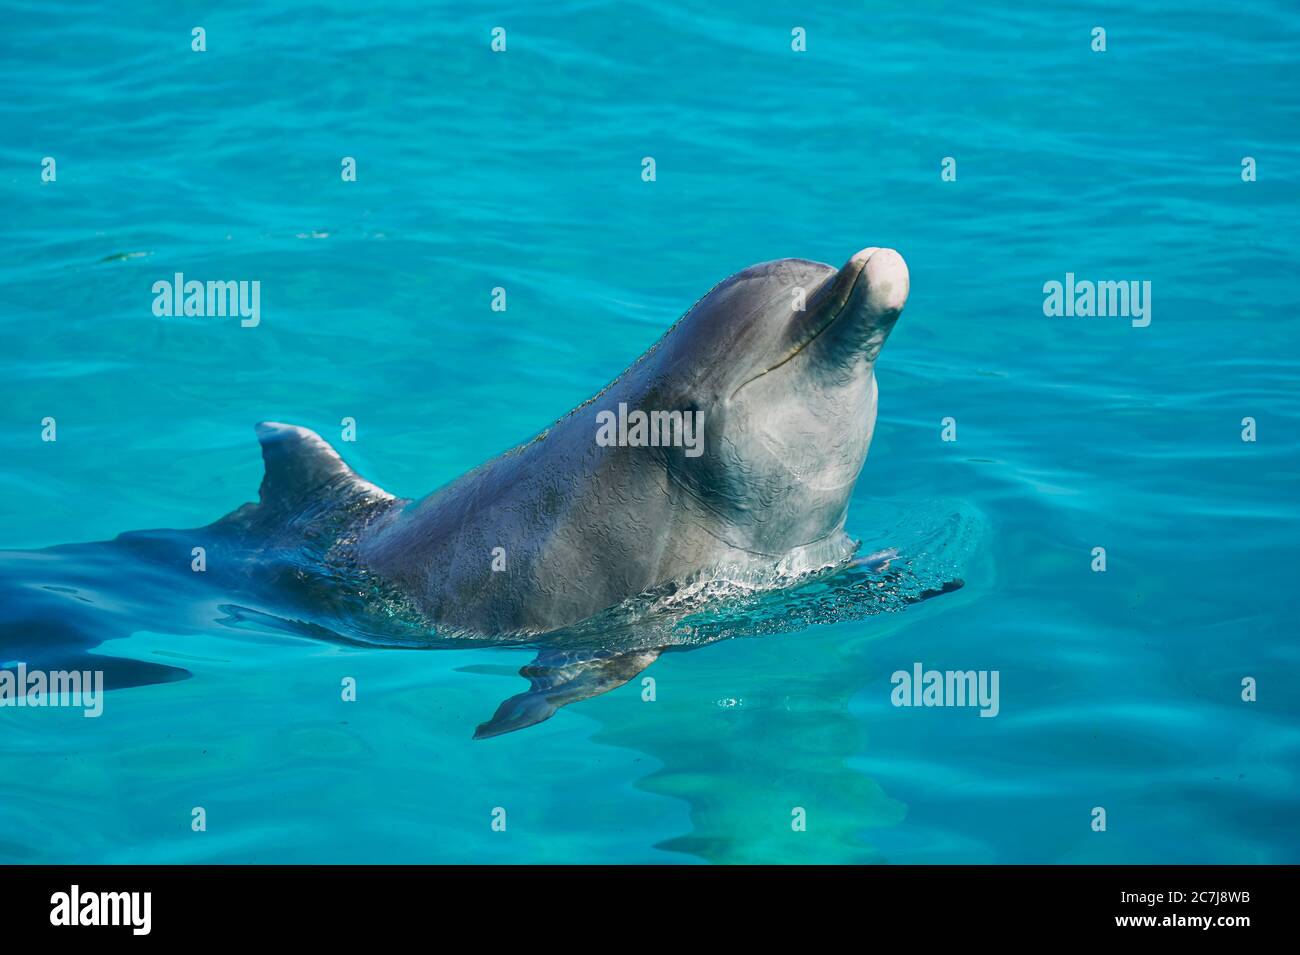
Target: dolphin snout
(849,318)
(882,284)
(865,299)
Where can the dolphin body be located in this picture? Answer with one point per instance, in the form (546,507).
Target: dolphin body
(775,364)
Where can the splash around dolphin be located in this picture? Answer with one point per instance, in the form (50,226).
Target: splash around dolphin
(722,461)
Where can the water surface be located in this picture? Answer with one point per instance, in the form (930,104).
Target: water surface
(522,170)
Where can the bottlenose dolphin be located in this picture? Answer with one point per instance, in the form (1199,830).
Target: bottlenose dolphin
(775,363)
(728,451)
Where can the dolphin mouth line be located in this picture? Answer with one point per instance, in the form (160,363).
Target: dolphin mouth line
(839,310)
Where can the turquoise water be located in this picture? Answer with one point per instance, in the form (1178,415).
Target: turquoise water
(1119,690)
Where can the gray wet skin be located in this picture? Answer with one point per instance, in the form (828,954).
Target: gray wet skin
(789,403)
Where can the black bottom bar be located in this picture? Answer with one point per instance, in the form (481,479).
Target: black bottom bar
(333,904)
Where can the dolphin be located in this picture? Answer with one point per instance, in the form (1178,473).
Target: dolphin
(775,365)
(727,452)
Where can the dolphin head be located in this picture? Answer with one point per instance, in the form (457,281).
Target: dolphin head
(780,359)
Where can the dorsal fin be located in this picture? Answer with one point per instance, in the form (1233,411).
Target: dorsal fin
(299,463)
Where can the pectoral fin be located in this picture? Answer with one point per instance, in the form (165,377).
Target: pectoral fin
(560,679)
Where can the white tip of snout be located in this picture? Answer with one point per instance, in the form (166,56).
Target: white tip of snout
(883,278)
